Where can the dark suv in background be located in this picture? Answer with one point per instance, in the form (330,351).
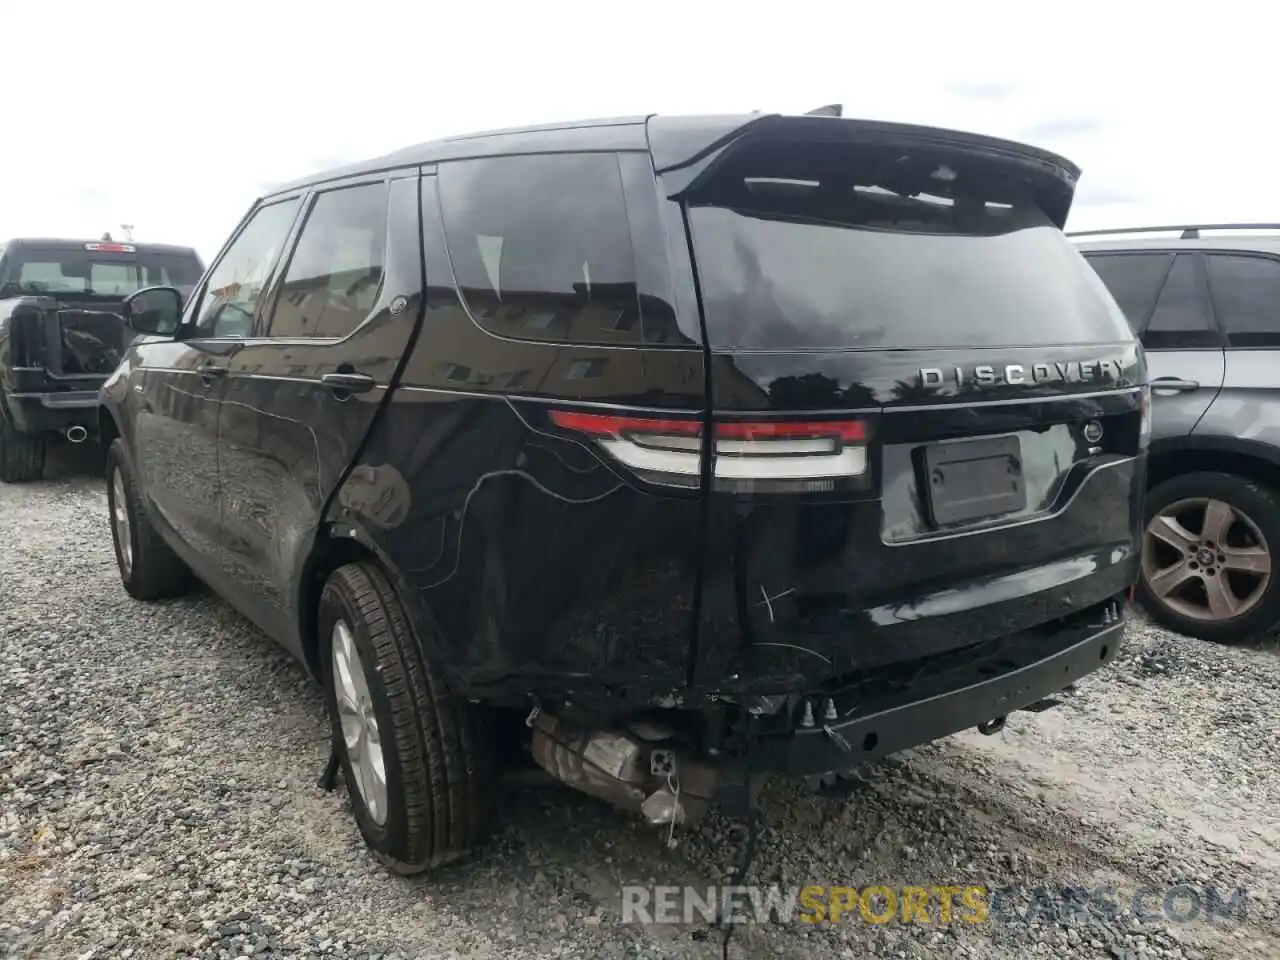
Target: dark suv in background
(61,333)
(1205,301)
(702,448)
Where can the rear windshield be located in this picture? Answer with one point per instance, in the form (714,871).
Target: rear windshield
(75,270)
(839,247)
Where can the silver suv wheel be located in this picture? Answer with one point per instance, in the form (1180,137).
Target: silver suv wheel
(1205,559)
(359,725)
(120,517)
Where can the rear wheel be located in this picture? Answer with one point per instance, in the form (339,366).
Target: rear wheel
(21,454)
(417,769)
(149,569)
(1208,557)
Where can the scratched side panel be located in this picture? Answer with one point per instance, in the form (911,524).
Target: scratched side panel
(524,555)
(285,439)
(528,556)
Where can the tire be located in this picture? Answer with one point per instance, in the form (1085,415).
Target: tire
(437,767)
(21,454)
(149,569)
(1252,531)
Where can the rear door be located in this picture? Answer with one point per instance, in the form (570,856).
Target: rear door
(1184,349)
(904,352)
(1245,289)
(302,392)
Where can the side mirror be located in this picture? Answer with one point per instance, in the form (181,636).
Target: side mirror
(154,310)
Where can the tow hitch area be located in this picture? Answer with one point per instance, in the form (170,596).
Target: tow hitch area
(1040,706)
(638,769)
(991,727)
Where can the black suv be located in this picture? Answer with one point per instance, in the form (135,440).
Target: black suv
(1205,300)
(61,333)
(700,448)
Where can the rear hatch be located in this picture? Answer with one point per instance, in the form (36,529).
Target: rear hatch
(89,281)
(926,407)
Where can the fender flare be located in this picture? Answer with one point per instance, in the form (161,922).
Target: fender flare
(351,530)
(1236,446)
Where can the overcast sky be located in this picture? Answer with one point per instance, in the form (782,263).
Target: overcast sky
(174,116)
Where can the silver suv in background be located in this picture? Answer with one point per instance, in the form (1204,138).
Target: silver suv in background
(1205,302)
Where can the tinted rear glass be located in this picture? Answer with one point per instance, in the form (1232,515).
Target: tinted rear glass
(75,270)
(833,247)
(560,247)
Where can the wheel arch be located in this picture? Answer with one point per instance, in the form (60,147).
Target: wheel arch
(328,552)
(335,545)
(1250,459)
(108,427)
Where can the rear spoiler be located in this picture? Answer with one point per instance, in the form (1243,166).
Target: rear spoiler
(682,147)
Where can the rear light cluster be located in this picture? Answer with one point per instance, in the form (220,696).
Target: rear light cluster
(749,456)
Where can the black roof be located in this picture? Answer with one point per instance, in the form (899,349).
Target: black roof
(672,140)
(19,242)
(620,133)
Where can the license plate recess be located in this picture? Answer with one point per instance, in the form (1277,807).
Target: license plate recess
(968,480)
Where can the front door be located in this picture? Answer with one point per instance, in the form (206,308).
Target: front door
(181,387)
(300,398)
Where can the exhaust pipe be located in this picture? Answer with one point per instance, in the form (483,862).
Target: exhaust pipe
(77,434)
(626,769)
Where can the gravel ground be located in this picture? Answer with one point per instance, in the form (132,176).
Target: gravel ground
(158,799)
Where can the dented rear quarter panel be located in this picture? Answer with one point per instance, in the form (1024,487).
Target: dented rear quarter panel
(529,562)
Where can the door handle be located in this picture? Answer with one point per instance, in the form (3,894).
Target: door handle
(210,371)
(1173,385)
(347,383)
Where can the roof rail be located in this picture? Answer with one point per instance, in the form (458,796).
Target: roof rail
(1188,231)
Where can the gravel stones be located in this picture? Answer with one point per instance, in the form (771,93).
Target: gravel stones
(158,799)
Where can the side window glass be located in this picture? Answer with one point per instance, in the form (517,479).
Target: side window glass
(335,273)
(1246,296)
(235,286)
(1133,279)
(1181,319)
(541,250)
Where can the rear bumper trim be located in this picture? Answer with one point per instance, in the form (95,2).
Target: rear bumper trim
(53,412)
(62,400)
(1018,674)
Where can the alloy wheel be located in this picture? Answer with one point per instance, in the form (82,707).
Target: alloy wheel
(1205,559)
(359,725)
(120,518)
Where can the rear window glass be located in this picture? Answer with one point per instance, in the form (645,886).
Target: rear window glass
(75,270)
(542,248)
(836,247)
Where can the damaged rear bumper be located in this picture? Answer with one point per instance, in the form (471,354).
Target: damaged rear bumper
(879,716)
(648,768)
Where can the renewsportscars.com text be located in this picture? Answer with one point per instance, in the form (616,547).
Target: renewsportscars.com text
(932,904)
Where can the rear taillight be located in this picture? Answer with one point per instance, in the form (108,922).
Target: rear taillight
(108,247)
(749,455)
